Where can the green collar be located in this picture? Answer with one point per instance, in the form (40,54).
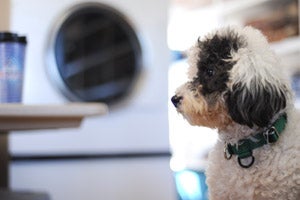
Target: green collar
(244,147)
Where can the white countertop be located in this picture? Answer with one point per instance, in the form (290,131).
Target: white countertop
(28,117)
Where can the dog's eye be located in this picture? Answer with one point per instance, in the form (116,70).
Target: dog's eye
(210,72)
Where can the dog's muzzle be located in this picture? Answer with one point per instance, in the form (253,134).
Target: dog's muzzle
(176,100)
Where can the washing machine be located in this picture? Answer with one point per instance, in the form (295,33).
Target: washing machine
(96,51)
(123,62)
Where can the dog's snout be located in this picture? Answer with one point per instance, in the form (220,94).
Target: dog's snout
(176,100)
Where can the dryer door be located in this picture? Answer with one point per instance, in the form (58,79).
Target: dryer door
(95,54)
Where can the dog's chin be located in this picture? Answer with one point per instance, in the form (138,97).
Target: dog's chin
(189,117)
(199,121)
(190,120)
(215,119)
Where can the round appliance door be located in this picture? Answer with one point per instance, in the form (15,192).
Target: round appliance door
(94,54)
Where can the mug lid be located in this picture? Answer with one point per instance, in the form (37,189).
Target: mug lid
(12,37)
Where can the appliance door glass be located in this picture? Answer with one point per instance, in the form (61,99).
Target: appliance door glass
(96,53)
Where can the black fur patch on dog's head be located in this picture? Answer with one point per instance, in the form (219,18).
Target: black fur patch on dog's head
(213,64)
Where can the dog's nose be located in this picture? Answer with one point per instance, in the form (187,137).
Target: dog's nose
(176,100)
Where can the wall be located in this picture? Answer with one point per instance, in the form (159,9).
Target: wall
(4,15)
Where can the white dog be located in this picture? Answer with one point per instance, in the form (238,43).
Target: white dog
(236,85)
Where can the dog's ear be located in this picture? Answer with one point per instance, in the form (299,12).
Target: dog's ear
(255,105)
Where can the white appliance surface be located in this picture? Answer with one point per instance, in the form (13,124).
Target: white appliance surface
(140,125)
(133,179)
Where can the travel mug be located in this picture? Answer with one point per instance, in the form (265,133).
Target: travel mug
(12,54)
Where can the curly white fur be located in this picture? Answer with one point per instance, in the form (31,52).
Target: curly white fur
(276,174)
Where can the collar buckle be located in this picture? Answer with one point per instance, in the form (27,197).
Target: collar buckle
(227,153)
(271,135)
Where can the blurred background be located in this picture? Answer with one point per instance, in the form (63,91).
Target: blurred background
(129,54)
